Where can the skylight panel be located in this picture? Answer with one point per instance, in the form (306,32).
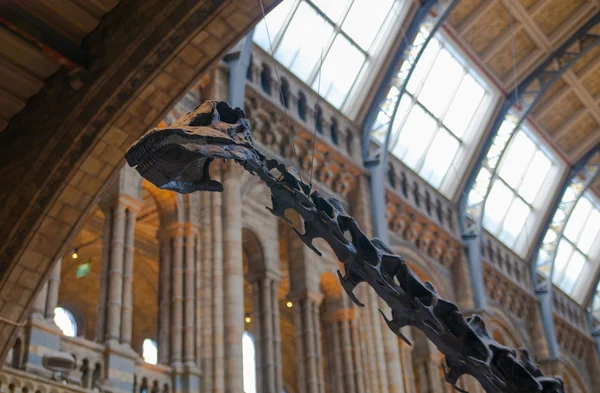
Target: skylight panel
(524,169)
(365,10)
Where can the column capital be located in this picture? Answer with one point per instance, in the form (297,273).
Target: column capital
(232,170)
(174,230)
(268,274)
(125,201)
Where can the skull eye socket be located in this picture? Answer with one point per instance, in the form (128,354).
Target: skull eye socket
(229,115)
(203,119)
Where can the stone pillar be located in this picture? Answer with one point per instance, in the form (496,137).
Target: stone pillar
(52,288)
(233,279)
(164,299)
(308,336)
(115,303)
(392,356)
(121,203)
(43,336)
(342,363)
(176,297)
(218,369)
(407,368)
(207,263)
(267,338)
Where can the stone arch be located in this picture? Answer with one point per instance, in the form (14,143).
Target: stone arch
(574,382)
(502,329)
(253,250)
(135,77)
(423,270)
(170,205)
(330,286)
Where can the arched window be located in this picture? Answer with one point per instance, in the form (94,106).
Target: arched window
(65,321)
(249,363)
(150,351)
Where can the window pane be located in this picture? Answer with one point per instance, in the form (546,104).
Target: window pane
(365,19)
(402,112)
(339,71)
(572,272)
(65,321)
(517,159)
(441,83)
(496,206)
(149,351)
(439,158)
(415,136)
(535,176)
(589,232)
(563,254)
(274,21)
(298,50)
(333,9)
(423,66)
(249,363)
(514,222)
(577,219)
(464,105)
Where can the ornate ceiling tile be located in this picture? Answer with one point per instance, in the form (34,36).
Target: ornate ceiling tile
(555,13)
(560,112)
(580,130)
(502,62)
(488,28)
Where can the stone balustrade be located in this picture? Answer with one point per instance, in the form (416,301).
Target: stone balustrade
(495,253)
(88,374)
(89,360)
(303,105)
(17,381)
(152,378)
(570,311)
(421,196)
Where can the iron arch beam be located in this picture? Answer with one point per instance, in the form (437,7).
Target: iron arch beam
(580,177)
(430,15)
(516,106)
(239,61)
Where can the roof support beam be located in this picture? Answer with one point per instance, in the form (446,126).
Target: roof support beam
(42,36)
(239,61)
(516,106)
(428,18)
(580,177)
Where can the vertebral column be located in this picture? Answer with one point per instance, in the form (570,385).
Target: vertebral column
(233,283)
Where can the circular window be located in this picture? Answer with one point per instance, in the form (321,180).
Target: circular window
(65,321)
(150,351)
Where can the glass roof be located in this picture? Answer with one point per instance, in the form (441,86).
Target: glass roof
(510,207)
(302,34)
(577,251)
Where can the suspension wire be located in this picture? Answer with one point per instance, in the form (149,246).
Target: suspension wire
(317,112)
(281,96)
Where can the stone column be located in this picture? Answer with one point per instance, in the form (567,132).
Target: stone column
(121,203)
(207,263)
(392,356)
(233,279)
(218,366)
(43,336)
(308,336)
(267,340)
(407,369)
(164,299)
(52,288)
(127,306)
(342,362)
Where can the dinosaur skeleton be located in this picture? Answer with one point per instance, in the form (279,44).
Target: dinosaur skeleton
(178,158)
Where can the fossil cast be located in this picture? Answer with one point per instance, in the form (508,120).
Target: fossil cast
(178,158)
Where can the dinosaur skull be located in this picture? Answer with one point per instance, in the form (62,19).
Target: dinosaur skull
(178,157)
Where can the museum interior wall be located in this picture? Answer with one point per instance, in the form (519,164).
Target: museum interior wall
(153,291)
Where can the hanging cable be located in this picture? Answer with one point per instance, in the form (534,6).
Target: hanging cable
(281,96)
